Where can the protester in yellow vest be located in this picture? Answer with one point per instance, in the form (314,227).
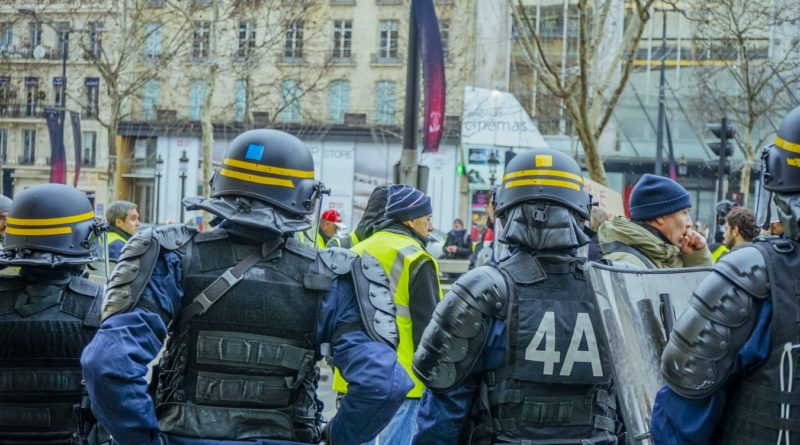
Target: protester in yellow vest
(399,245)
(372,217)
(123,221)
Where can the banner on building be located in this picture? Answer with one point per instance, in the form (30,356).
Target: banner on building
(76,136)
(432,55)
(58,160)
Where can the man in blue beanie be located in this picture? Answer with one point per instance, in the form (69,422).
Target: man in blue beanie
(659,234)
(399,246)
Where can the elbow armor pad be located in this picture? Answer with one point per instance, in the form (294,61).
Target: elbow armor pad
(454,338)
(706,339)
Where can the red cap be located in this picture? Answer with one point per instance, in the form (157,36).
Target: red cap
(334,217)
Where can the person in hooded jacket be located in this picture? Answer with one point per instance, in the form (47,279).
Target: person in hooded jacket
(374,215)
(659,234)
(514,353)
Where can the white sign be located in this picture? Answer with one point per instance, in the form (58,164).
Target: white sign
(607,199)
(495,118)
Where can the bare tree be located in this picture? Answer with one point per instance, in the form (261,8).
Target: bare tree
(591,89)
(744,73)
(127,46)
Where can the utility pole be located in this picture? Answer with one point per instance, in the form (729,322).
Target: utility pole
(407,169)
(661,99)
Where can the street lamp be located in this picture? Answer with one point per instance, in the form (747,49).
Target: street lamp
(493,163)
(65,43)
(183,168)
(683,167)
(159,166)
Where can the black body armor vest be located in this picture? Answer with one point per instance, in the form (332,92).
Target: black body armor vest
(244,369)
(555,387)
(757,400)
(44,328)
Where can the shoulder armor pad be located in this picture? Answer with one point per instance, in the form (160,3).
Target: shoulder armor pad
(703,345)
(747,269)
(174,236)
(375,300)
(89,289)
(523,268)
(136,264)
(84,286)
(452,341)
(299,248)
(329,264)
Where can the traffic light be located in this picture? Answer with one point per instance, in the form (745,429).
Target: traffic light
(724,133)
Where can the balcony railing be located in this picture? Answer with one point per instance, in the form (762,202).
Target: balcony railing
(23,110)
(386,58)
(342,57)
(26,160)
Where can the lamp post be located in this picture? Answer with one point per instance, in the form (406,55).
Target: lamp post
(683,166)
(159,166)
(493,163)
(183,167)
(63,102)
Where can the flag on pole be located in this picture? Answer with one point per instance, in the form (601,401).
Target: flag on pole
(58,159)
(432,56)
(76,135)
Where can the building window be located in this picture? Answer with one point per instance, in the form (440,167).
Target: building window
(92,85)
(32,96)
(28,147)
(89,152)
(3,145)
(294,40)
(342,38)
(388,40)
(151,98)
(95,39)
(241,101)
(290,90)
(63,39)
(340,100)
(385,98)
(6,36)
(58,89)
(34,34)
(444,30)
(200,40)
(197,98)
(152,43)
(247,39)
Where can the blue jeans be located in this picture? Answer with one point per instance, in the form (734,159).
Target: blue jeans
(401,429)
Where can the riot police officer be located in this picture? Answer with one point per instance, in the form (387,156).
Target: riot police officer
(48,314)
(732,355)
(247,308)
(515,352)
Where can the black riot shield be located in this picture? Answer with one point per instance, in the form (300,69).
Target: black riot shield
(635,306)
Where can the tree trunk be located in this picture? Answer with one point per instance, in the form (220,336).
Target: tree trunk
(749,153)
(112,151)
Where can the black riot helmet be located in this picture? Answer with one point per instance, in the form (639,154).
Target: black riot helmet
(270,166)
(52,219)
(780,177)
(543,174)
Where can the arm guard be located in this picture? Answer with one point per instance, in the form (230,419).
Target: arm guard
(706,339)
(453,340)
(136,264)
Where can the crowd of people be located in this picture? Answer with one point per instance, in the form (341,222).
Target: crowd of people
(237,318)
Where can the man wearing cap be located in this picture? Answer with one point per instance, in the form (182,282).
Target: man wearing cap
(5,204)
(659,234)
(399,246)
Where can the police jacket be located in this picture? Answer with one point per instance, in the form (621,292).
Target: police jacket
(514,382)
(619,235)
(47,317)
(116,362)
(742,395)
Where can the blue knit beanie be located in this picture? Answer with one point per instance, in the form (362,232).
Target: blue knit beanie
(655,196)
(405,203)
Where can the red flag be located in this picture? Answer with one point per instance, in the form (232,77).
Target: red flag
(432,71)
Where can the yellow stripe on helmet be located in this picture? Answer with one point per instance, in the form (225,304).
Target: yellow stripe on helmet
(266,180)
(556,173)
(50,221)
(547,182)
(39,232)
(786,145)
(292,173)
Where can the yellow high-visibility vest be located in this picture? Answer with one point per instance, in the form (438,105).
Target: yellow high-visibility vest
(336,241)
(112,236)
(394,250)
(718,252)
